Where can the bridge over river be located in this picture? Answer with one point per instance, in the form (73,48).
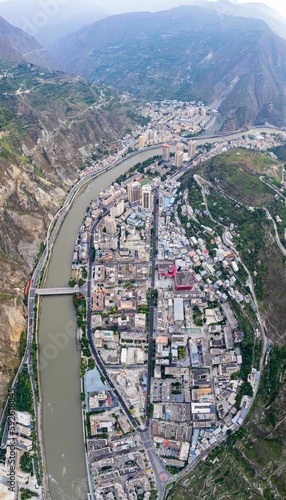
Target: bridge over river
(57,291)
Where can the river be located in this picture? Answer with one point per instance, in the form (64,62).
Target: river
(59,358)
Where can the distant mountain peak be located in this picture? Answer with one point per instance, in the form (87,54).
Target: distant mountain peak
(17,46)
(245,77)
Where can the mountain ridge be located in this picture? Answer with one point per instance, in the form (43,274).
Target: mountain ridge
(17,46)
(186,53)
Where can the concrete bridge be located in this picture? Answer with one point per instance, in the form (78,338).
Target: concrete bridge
(57,291)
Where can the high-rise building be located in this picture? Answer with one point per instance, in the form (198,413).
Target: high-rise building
(147,197)
(117,209)
(180,146)
(179,158)
(150,135)
(110,225)
(134,191)
(142,141)
(191,112)
(166,152)
(192,149)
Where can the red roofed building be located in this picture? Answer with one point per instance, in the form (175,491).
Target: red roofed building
(184,280)
(109,400)
(167,269)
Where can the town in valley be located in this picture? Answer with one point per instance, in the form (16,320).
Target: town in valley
(157,288)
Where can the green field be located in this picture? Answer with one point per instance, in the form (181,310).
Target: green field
(255,161)
(238,175)
(145,181)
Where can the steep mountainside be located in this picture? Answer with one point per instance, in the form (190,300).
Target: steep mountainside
(49,124)
(16,45)
(186,53)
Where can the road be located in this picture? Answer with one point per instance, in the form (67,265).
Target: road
(258,314)
(278,241)
(151,344)
(163,477)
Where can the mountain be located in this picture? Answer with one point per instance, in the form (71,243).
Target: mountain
(186,53)
(50,125)
(49,20)
(255,10)
(16,46)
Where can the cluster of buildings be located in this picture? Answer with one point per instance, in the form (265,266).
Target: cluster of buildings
(124,212)
(196,362)
(170,119)
(17,440)
(181,154)
(120,283)
(117,460)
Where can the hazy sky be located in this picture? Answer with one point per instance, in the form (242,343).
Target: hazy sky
(114,6)
(49,20)
(279,5)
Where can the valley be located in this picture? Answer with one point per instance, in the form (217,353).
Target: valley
(147,187)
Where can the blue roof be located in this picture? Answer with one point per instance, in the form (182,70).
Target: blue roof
(93,382)
(179,398)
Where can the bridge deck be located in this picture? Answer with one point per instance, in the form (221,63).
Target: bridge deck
(57,291)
